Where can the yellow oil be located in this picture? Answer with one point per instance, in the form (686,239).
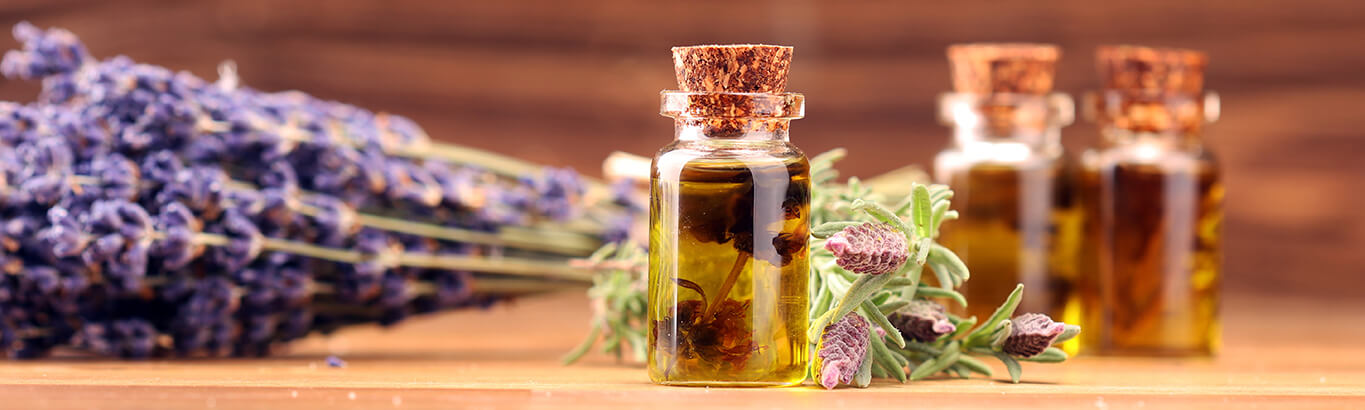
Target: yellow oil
(1153,232)
(728,270)
(1018,224)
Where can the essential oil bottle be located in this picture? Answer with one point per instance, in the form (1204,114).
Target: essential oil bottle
(1012,180)
(1153,201)
(729,222)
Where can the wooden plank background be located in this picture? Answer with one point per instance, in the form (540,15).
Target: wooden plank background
(566,83)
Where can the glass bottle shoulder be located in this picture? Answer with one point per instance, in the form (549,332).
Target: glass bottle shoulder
(674,158)
(1152,158)
(998,156)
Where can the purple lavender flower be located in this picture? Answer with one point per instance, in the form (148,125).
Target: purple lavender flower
(51,52)
(244,241)
(161,168)
(118,177)
(842,349)
(1031,334)
(203,317)
(870,248)
(133,338)
(178,247)
(922,321)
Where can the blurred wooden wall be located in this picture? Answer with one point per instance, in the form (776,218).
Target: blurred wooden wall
(566,82)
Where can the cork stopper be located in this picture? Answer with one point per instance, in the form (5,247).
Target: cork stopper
(1017,68)
(733,91)
(1156,90)
(1158,70)
(739,68)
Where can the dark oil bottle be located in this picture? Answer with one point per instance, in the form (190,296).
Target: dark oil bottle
(1153,203)
(729,224)
(1012,181)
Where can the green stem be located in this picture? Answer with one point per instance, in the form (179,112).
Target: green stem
(503,265)
(729,283)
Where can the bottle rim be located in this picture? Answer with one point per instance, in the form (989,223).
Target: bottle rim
(696,105)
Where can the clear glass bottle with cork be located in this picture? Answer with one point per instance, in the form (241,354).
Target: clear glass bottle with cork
(1012,180)
(1153,204)
(729,222)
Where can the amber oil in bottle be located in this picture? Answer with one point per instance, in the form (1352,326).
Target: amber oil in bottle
(729,209)
(1152,199)
(1012,180)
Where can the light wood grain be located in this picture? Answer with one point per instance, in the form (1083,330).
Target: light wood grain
(1280,353)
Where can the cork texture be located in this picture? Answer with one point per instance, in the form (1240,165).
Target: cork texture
(1164,70)
(1018,68)
(739,89)
(1158,90)
(740,68)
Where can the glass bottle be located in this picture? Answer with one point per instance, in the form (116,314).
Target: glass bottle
(1011,178)
(1153,198)
(729,209)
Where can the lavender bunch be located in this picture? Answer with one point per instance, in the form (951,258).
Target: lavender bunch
(150,213)
(372,161)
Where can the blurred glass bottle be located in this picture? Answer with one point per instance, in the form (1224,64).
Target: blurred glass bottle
(1012,179)
(1153,206)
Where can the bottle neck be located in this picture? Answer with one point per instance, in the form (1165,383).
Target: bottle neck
(711,116)
(989,122)
(1152,120)
(730,129)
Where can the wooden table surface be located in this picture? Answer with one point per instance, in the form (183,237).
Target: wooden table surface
(1295,353)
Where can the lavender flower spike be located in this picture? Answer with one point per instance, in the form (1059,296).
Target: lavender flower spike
(870,248)
(922,321)
(1032,333)
(842,349)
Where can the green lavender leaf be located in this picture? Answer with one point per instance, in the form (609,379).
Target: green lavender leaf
(1051,355)
(864,376)
(975,365)
(1004,311)
(860,290)
(870,311)
(1012,365)
(877,371)
(885,215)
(946,281)
(922,249)
(936,220)
(963,326)
(933,292)
(932,366)
(1068,334)
(998,339)
(827,229)
(940,192)
(891,306)
(922,348)
(902,282)
(941,256)
(886,358)
(922,211)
